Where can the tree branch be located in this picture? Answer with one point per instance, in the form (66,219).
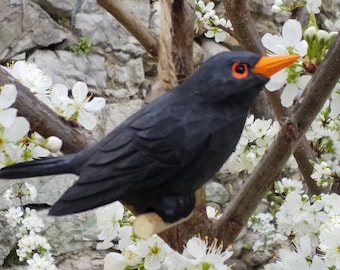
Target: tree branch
(183,18)
(303,114)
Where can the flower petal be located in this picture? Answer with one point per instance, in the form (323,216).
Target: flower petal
(292,32)
(87,120)
(79,91)
(335,106)
(288,95)
(277,80)
(301,48)
(19,71)
(114,260)
(38,151)
(303,81)
(7,117)
(59,95)
(8,94)
(270,41)
(95,104)
(17,130)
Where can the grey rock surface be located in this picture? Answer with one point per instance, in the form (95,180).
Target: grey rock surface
(58,9)
(129,75)
(24,28)
(94,22)
(116,113)
(67,68)
(49,188)
(7,236)
(216,192)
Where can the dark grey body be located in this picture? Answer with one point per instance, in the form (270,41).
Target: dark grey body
(158,157)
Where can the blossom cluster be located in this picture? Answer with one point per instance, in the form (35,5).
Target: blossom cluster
(264,224)
(256,137)
(311,50)
(323,136)
(206,15)
(315,224)
(79,108)
(312,6)
(15,144)
(32,248)
(115,223)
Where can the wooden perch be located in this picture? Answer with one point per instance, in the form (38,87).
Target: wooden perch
(148,224)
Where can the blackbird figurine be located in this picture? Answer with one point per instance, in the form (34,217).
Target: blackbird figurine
(159,156)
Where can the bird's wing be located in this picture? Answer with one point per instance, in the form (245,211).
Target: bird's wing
(139,157)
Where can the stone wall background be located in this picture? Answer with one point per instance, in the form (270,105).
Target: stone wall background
(117,68)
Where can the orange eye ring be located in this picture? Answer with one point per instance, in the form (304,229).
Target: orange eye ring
(239,70)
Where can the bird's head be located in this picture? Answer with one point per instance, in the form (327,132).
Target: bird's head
(231,76)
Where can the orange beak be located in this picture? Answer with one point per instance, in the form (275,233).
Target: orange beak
(268,65)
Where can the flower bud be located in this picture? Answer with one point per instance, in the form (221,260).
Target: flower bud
(322,36)
(276,9)
(53,143)
(310,33)
(324,184)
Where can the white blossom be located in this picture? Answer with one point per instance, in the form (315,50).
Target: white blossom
(114,261)
(154,251)
(335,102)
(313,6)
(78,108)
(31,191)
(28,243)
(126,236)
(199,252)
(132,255)
(31,221)
(14,216)
(288,41)
(32,77)
(108,218)
(330,241)
(286,185)
(9,194)
(298,258)
(38,262)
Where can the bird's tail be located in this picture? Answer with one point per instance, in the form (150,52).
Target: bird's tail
(40,167)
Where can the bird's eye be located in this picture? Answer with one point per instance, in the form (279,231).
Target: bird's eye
(239,70)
